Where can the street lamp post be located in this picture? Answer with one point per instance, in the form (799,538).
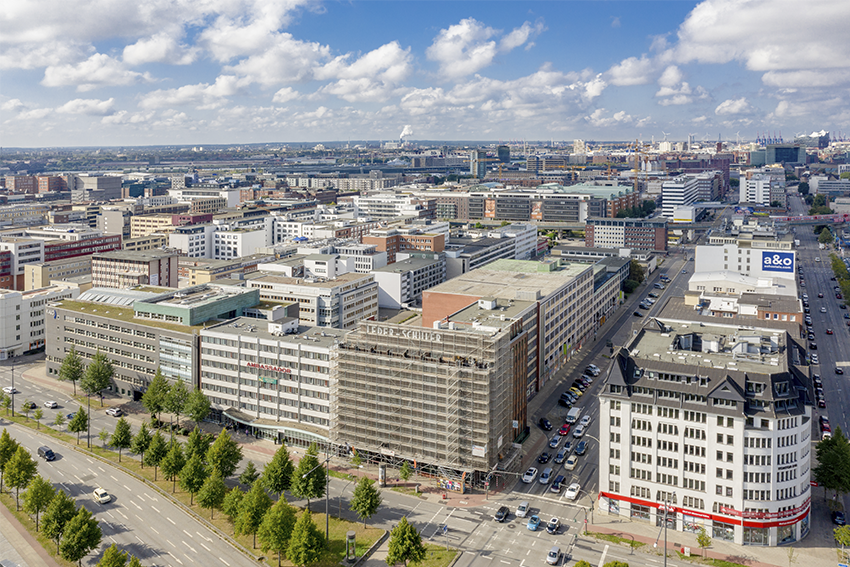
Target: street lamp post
(327,486)
(666,509)
(13,389)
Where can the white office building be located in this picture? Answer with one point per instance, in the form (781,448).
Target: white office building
(22,317)
(681,191)
(712,422)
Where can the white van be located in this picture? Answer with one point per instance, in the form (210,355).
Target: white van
(522,510)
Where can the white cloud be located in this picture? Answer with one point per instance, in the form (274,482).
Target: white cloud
(466,47)
(372,77)
(12,105)
(124,117)
(807,78)
(285,95)
(767,35)
(90,106)
(594,88)
(202,95)
(34,114)
(734,106)
(99,70)
(160,48)
(631,71)
(285,60)
(598,119)
(615,22)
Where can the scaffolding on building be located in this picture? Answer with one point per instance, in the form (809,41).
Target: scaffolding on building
(407,397)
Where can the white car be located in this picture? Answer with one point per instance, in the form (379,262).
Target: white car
(529,475)
(823,309)
(578,431)
(101,496)
(10,390)
(522,510)
(585,421)
(571,463)
(114,412)
(572,491)
(593,369)
(555,441)
(51,404)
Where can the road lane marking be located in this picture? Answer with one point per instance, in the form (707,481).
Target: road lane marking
(169,543)
(207,548)
(170,520)
(604,553)
(189,546)
(225,562)
(154,509)
(148,496)
(127,487)
(203,536)
(187,533)
(101,469)
(122,515)
(136,505)
(177,560)
(113,478)
(90,461)
(140,539)
(154,530)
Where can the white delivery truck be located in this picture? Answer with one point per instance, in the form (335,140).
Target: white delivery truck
(573,415)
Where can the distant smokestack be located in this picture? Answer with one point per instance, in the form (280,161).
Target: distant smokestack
(406,132)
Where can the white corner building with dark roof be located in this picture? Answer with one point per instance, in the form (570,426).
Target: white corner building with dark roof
(714,419)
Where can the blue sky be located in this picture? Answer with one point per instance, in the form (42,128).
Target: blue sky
(112,72)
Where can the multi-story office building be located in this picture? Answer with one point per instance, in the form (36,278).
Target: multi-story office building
(448,397)
(24,214)
(392,241)
(478,163)
(271,377)
(645,235)
(750,255)
(21,184)
(759,189)
(149,242)
(393,206)
(22,318)
(467,253)
(401,283)
(339,303)
(682,191)
(94,187)
(230,195)
(22,251)
(785,154)
(208,271)
(523,235)
(129,269)
(141,331)
(715,421)
(143,225)
(40,275)
(564,295)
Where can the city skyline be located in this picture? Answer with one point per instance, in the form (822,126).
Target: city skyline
(245,71)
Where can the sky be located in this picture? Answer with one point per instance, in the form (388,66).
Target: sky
(160,72)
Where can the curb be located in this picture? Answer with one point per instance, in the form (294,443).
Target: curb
(378,543)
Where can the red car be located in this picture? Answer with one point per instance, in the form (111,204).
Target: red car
(565,429)
(838,296)
(824,424)
(829,331)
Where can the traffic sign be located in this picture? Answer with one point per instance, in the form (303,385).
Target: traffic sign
(445,529)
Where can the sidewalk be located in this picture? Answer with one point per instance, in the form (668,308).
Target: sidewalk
(18,547)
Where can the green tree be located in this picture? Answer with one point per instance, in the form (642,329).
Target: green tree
(224,455)
(38,415)
(197,406)
(156,452)
(630,285)
(703,539)
(141,441)
(122,438)
(825,236)
(357,460)
(134,562)
(154,397)
(81,536)
(57,515)
(306,542)
(113,557)
(5,402)
(405,544)
(366,499)
(79,423)
(308,479)
(20,470)
(38,496)
(71,369)
(8,447)
(197,444)
(405,471)
(98,376)
(833,468)
(175,401)
(26,409)
(616,564)
(277,473)
(842,536)
(59,421)
(803,188)
(192,477)
(584,563)
(104,437)
(250,475)
(232,503)
(254,506)
(636,272)
(276,528)
(212,493)
(173,463)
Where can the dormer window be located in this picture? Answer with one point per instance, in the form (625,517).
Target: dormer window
(781,388)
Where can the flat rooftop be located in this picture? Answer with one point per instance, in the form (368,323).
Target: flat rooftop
(339,280)
(504,278)
(138,255)
(196,296)
(125,314)
(407,265)
(716,346)
(250,327)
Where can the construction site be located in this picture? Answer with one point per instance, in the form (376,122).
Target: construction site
(449,399)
